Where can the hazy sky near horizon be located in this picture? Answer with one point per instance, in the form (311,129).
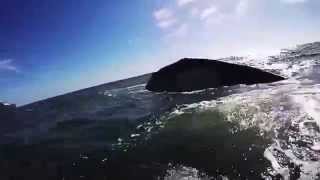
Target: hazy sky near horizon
(53,47)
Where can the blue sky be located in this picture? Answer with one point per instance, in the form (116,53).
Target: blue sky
(53,47)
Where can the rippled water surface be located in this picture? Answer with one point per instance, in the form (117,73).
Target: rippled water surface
(122,131)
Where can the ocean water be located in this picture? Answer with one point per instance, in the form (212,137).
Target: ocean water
(122,131)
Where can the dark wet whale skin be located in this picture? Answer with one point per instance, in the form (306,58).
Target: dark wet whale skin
(195,74)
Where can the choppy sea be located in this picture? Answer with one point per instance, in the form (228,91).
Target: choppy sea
(122,131)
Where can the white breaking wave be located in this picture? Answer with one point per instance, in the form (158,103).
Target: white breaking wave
(5,103)
(186,173)
(131,90)
(277,109)
(287,111)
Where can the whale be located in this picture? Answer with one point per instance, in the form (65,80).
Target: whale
(190,74)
